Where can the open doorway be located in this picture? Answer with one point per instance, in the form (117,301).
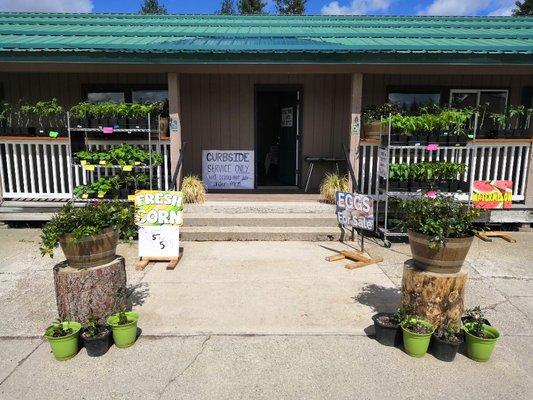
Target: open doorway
(278,123)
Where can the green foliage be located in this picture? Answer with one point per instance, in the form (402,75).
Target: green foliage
(401,315)
(93,328)
(523,8)
(251,7)
(331,184)
(416,326)
(448,120)
(89,220)
(439,218)
(115,110)
(378,112)
(122,318)
(291,7)
(124,154)
(449,333)
(476,318)
(227,8)
(57,329)
(101,187)
(152,7)
(427,171)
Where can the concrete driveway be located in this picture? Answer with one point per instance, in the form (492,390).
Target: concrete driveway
(263,320)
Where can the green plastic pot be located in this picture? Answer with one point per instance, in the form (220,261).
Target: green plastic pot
(64,347)
(415,344)
(480,349)
(124,335)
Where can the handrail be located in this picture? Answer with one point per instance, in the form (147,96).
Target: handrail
(355,182)
(178,167)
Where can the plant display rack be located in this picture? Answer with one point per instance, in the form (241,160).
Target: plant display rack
(383,193)
(80,138)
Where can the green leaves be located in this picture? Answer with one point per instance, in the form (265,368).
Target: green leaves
(440,218)
(115,110)
(431,171)
(124,154)
(449,120)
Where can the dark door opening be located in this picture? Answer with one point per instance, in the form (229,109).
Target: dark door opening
(277,137)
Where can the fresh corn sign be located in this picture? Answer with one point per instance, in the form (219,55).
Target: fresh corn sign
(158,208)
(159,214)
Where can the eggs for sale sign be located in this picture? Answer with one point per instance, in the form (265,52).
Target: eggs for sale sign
(355,210)
(491,195)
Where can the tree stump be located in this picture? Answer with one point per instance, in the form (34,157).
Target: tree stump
(97,291)
(437,297)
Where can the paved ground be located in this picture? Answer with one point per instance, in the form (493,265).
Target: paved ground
(263,320)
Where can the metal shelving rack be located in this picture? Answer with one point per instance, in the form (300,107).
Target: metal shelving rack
(87,141)
(382,192)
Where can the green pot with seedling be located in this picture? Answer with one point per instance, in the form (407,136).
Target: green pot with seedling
(124,327)
(63,339)
(416,336)
(480,337)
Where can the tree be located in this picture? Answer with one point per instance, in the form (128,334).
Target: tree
(227,7)
(152,7)
(523,9)
(251,7)
(291,7)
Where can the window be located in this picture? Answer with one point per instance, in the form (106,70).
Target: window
(410,102)
(101,97)
(149,96)
(494,100)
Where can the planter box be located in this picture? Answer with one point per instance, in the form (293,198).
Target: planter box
(371,129)
(90,251)
(447,260)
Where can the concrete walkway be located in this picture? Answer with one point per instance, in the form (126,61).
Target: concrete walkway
(246,320)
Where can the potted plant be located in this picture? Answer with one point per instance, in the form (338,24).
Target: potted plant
(440,231)
(446,341)
(95,338)
(416,336)
(474,314)
(63,339)
(374,118)
(330,185)
(480,338)
(87,235)
(124,327)
(501,120)
(387,326)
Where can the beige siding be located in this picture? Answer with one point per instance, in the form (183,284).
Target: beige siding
(218,113)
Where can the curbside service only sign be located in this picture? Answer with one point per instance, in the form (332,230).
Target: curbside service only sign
(355,210)
(228,169)
(159,215)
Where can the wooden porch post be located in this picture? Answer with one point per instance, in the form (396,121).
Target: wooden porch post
(356,99)
(174,110)
(529,180)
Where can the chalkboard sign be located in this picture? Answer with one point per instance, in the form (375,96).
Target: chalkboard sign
(228,169)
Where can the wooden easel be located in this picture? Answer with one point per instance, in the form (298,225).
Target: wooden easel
(486,236)
(172,261)
(361,259)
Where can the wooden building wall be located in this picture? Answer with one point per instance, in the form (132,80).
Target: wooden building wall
(218,113)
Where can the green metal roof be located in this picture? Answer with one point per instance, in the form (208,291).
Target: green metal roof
(133,38)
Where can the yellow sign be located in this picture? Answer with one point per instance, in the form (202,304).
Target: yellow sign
(158,208)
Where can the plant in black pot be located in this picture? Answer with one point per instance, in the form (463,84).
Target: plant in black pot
(96,338)
(387,326)
(501,120)
(446,341)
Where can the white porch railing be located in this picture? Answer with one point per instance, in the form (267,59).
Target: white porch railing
(504,161)
(41,169)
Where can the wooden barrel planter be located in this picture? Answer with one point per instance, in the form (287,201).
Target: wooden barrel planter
(448,259)
(90,251)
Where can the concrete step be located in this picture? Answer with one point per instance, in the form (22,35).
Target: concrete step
(260,207)
(261,220)
(251,233)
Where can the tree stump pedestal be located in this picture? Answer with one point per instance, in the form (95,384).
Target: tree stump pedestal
(97,291)
(439,298)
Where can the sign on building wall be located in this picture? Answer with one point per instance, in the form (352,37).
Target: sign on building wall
(228,169)
(355,210)
(383,163)
(286,117)
(158,214)
(492,194)
(175,125)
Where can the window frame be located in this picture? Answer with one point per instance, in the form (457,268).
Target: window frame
(127,89)
(417,89)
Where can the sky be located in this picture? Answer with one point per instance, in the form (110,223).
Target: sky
(390,7)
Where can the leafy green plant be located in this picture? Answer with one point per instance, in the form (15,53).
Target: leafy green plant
(401,314)
(331,184)
(439,218)
(89,220)
(93,328)
(448,333)
(500,120)
(380,112)
(515,114)
(416,326)
(476,317)
(57,329)
(51,111)
(122,318)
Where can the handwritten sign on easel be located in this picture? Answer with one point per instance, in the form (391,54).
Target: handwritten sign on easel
(158,214)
